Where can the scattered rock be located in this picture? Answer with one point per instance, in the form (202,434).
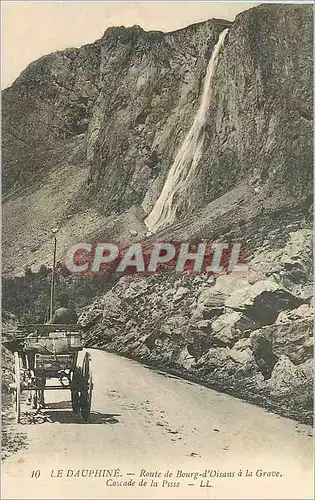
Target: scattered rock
(180,293)
(185,359)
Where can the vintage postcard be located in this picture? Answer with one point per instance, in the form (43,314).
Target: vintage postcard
(157,281)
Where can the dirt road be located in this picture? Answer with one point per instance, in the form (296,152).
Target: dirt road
(182,439)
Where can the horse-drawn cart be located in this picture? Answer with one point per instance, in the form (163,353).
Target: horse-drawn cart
(45,359)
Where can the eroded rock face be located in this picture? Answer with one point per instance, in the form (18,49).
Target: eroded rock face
(262,88)
(138,89)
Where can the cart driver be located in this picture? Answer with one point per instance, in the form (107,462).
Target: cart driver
(65,314)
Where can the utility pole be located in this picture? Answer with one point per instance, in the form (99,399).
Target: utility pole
(52,284)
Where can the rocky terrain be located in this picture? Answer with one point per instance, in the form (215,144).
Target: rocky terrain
(89,136)
(249,335)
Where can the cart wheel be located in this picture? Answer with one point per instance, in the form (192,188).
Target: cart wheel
(75,401)
(86,394)
(76,380)
(17,388)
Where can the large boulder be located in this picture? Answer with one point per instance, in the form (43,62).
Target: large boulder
(243,344)
(261,342)
(223,328)
(262,300)
(210,304)
(200,342)
(266,306)
(242,356)
(231,327)
(307,369)
(228,365)
(293,339)
(205,325)
(212,298)
(245,292)
(216,358)
(285,377)
(185,359)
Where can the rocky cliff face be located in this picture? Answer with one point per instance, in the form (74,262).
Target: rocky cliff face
(103,124)
(261,117)
(90,135)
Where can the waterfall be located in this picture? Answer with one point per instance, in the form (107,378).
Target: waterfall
(188,156)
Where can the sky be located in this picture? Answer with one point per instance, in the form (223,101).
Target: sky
(31,29)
